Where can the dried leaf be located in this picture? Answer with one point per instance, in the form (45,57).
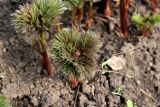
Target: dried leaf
(116,63)
(2,77)
(117,2)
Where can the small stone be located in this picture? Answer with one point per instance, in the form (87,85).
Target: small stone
(2,77)
(12,41)
(86,89)
(1,44)
(34,101)
(150,63)
(101,100)
(102,79)
(83,99)
(111,26)
(66,95)
(39,69)
(4,50)
(50,98)
(33,63)
(21,65)
(157,76)
(31,86)
(11,69)
(90,104)
(64,92)
(106,84)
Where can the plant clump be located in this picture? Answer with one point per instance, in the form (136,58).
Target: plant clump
(76,7)
(40,16)
(145,23)
(75,53)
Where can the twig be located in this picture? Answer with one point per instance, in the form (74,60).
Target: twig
(76,96)
(126,51)
(128,76)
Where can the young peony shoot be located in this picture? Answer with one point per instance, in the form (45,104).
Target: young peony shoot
(40,16)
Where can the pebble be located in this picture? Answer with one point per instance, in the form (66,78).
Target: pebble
(39,69)
(31,86)
(1,44)
(34,101)
(21,65)
(11,69)
(4,50)
(86,89)
(90,104)
(83,99)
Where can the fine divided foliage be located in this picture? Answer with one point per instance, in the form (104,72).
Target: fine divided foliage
(75,53)
(75,3)
(40,14)
(145,21)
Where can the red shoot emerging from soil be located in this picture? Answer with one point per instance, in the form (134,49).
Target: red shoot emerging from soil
(90,15)
(107,11)
(88,23)
(154,5)
(78,16)
(45,59)
(124,4)
(46,63)
(73,81)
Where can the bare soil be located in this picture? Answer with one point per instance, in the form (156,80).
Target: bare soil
(27,85)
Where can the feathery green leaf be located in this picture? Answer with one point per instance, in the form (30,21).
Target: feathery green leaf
(66,43)
(40,14)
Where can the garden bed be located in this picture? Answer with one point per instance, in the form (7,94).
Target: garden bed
(25,84)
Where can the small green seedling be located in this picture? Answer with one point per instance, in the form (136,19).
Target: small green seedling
(4,102)
(103,66)
(145,23)
(118,90)
(130,103)
(89,20)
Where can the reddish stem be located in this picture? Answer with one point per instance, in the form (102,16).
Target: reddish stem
(107,11)
(73,81)
(90,15)
(154,5)
(78,16)
(46,63)
(43,51)
(144,32)
(124,4)
(88,24)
